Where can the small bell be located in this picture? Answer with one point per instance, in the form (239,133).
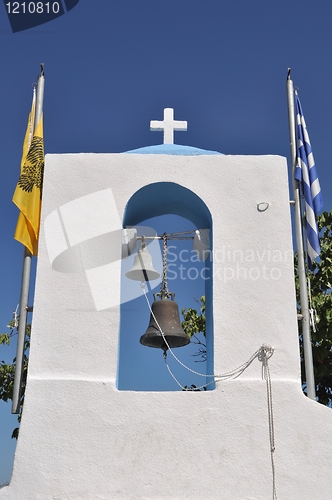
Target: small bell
(166,316)
(142,269)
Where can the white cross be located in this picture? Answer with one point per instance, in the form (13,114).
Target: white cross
(168,125)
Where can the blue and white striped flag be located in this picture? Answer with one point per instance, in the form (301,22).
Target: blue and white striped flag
(306,173)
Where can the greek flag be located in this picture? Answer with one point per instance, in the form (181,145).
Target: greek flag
(306,173)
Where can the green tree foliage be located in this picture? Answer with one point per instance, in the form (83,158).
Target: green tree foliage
(194,324)
(7,370)
(320,284)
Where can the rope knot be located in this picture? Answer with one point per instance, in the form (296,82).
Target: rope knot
(266,352)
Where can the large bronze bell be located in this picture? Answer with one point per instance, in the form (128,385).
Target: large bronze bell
(167,315)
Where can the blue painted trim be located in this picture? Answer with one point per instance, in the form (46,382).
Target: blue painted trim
(172,149)
(163,198)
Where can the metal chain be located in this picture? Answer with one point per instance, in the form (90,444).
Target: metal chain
(163,283)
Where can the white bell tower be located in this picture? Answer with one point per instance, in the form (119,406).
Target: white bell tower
(255,436)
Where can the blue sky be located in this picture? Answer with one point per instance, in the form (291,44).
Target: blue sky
(112,66)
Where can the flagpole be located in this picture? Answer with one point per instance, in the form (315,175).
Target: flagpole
(307,348)
(25,284)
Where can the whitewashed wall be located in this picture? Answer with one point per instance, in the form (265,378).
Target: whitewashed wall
(80,437)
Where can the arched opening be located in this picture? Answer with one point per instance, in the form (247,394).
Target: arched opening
(156,209)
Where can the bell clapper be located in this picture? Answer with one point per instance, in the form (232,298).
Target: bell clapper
(145,274)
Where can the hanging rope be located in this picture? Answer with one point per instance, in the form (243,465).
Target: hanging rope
(231,374)
(171,373)
(265,354)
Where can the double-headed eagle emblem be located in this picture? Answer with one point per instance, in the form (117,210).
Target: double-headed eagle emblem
(33,166)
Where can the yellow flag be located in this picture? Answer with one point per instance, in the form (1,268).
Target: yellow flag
(27,196)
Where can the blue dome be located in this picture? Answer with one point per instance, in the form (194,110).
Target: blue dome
(172,149)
